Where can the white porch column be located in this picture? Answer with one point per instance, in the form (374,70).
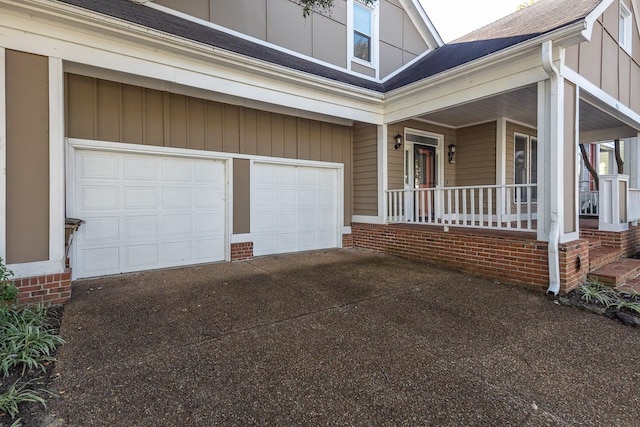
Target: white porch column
(383,172)
(501,160)
(632,160)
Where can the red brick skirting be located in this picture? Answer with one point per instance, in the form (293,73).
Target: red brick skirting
(52,288)
(497,256)
(241,251)
(628,242)
(347,240)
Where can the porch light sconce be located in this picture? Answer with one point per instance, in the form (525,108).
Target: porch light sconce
(452,153)
(398,143)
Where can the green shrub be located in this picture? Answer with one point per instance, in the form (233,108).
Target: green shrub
(8,289)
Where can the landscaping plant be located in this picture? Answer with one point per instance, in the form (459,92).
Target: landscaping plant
(8,289)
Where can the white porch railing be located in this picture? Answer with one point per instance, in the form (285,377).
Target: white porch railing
(505,207)
(634,205)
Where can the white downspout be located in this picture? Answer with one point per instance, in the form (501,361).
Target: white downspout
(554,231)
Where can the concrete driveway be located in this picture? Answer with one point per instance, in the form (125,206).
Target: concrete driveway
(340,337)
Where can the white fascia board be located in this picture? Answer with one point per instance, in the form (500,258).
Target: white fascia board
(600,99)
(593,17)
(100,41)
(422,22)
(441,94)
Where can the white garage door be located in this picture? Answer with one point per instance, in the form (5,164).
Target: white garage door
(294,208)
(145,211)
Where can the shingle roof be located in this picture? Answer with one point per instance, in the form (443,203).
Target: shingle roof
(537,19)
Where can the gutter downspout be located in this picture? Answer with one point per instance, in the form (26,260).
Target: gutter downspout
(554,232)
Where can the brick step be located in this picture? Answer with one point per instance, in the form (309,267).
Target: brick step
(617,272)
(631,285)
(594,243)
(599,257)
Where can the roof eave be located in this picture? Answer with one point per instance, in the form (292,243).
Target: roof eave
(562,37)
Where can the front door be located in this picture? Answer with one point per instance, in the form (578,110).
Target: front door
(421,172)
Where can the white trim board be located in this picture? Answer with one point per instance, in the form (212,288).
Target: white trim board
(3,157)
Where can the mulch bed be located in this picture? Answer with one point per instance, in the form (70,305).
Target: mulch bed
(624,315)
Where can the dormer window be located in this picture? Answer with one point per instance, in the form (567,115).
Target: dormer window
(362,32)
(624,28)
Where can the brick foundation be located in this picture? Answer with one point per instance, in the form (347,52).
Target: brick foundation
(241,251)
(347,240)
(52,288)
(493,255)
(628,242)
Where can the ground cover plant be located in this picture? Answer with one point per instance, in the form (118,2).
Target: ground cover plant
(28,340)
(599,298)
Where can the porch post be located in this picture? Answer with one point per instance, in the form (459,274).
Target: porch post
(632,156)
(501,162)
(383,172)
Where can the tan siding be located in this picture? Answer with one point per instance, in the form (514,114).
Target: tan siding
(241,196)
(365,169)
(476,155)
(245,16)
(412,41)
(27,150)
(286,27)
(605,64)
(179,121)
(569,179)
(610,73)
(132,114)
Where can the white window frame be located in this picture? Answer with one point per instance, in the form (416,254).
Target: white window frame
(528,139)
(625,35)
(375,25)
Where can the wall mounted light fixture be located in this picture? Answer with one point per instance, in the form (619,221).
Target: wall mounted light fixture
(398,143)
(452,153)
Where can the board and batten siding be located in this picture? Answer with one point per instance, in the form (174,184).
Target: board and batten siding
(27,171)
(365,169)
(109,111)
(322,36)
(607,65)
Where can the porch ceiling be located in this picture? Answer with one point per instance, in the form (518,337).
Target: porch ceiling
(520,106)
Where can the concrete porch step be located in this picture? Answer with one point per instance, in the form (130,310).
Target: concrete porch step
(632,285)
(601,256)
(618,272)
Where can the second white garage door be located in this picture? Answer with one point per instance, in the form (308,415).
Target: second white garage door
(294,208)
(147,211)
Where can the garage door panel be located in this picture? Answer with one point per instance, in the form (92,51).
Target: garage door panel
(98,166)
(140,197)
(141,256)
(210,224)
(294,219)
(99,230)
(148,211)
(287,198)
(99,198)
(176,253)
(100,261)
(140,168)
(177,198)
(206,248)
(139,227)
(177,170)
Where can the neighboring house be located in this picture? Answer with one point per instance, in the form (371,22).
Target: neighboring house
(214,130)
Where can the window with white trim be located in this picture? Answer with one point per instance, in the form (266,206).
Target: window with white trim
(624,28)
(525,170)
(362,32)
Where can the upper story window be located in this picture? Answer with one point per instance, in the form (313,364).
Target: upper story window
(362,32)
(624,28)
